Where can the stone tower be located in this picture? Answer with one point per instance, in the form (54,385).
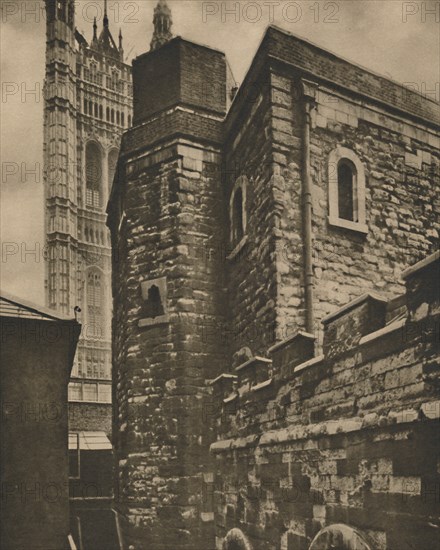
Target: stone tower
(162,22)
(167,221)
(87,107)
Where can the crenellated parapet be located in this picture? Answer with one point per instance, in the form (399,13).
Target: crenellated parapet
(344,381)
(312,436)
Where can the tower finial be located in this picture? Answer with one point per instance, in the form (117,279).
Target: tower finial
(105,14)
(163,22)
(121,49)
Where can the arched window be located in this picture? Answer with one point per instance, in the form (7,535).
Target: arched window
(117,118)
(96,110)
(129,121)
(91,108)
(93,175)
(347,190)
(122,119)
(346,176)
(94,304)
(100,112)
(340,537)
(107,114)
(112,115)
(237,211)
(235,540)
(85,106)
(112,163)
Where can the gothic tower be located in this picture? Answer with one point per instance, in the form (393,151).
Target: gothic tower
(162,22)
(87,107)
(167,221)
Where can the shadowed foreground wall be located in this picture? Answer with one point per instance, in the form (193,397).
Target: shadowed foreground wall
(36,360)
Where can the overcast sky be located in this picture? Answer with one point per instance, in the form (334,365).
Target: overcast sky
(397,39)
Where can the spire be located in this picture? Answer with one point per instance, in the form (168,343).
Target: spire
(121,49)
(105,14)
(163,22)
(105,42)
(95,30)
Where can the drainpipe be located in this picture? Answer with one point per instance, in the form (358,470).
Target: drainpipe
(309,94)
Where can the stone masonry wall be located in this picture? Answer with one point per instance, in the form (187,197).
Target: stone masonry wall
(173,213)
(349,437)
(402,166)
(252,270)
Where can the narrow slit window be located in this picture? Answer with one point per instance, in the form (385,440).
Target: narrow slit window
(237,221)
(154,304)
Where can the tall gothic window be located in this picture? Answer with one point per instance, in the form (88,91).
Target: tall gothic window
(94,304)
(93,176)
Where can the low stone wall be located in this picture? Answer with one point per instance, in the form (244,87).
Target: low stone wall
(349,437)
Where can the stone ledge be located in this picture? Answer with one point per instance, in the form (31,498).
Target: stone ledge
(222,377)
(310,363)
(419,266)
(375,298)
(397,325)
(356,227)
(347,425)
(298,335)
(262,385)
(257,360)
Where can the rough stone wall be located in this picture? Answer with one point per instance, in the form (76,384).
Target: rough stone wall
(252,271)
(402,166)
(174,213)
(283,431)
(349,437)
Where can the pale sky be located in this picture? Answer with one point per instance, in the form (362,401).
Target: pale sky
(397,39)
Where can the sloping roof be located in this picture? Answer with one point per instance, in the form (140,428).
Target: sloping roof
(11,306)
(89,441)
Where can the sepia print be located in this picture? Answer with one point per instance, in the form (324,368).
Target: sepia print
(220,300)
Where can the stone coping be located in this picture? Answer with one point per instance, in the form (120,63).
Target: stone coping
(310,363)
(230,398)
(253,361)
(396,325)
(353,304)
(262,385)
(430,409)
(419,266)
(287,341)
(221,377)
